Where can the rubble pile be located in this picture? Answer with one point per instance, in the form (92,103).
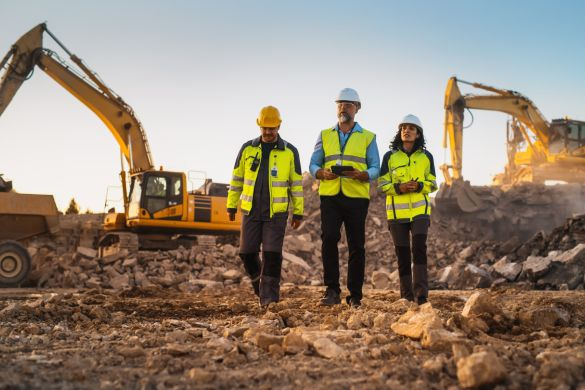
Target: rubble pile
(542,262)
(520,211)
(155,339)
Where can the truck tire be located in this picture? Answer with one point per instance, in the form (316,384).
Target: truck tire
(15,264)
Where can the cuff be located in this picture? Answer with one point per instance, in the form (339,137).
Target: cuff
(297,217)
(420,186)
(397,188)
(232,210)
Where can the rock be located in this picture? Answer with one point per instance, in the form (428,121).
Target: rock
(380,279)
(294,343)
(467,253)
(480,369)
(560,369)
(508,270)
(264,340)
(296,260)
(230,250)
(327,348)
(382,321)
(479,303)
(87,252)
(414,322)
(131,262)
(200,375)
(232,274)
(534,267)
(120,282)
(439,339)
(177,349)
(131,352)
(544,317)
(575,255)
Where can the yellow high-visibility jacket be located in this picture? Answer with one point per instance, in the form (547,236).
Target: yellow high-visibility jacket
(353,154)
(286,187)
(398,167)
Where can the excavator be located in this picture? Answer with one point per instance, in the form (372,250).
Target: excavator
(158,205)
(539,152)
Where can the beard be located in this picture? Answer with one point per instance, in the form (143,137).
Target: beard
(344,117)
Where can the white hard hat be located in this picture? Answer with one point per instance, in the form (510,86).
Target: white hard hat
(411,120)
(348,95)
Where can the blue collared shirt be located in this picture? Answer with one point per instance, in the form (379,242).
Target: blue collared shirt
(372,154)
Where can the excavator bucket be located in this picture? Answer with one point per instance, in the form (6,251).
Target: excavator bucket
(19,62)
(457,197)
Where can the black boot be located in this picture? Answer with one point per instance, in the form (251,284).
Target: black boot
(252,265)
(270,279)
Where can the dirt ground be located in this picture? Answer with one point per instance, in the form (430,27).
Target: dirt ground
(158,339)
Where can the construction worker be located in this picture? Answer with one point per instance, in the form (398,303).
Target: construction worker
(408,177)
(345,159)
(267,177)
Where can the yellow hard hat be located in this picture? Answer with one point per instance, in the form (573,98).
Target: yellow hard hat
(269,117)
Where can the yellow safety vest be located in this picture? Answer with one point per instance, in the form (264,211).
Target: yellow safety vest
(353,154)
(288,180)
(397,168)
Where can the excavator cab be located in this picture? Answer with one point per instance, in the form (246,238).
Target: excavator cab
(157,195)
(569,136)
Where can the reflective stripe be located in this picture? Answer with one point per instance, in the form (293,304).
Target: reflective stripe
(333,157)
(280,200)
(237,178)
(296,183)
(383,183)
(361,160)
(246,197)
(235,188)
(249,182)
(280,184)
(297,193)
(420,203)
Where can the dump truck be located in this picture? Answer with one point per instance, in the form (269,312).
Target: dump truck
(158,204)
(23,217)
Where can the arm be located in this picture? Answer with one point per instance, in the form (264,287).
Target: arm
(373,160)
(296,188)
(429,184)
(385,183)
(317,158)
(237,183)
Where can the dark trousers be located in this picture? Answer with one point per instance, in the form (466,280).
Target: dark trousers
(413,281)
(335,211)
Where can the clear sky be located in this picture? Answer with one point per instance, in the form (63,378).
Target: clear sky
(197,73)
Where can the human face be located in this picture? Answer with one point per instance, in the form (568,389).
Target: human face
(269,134)
(346,111)
(408,133)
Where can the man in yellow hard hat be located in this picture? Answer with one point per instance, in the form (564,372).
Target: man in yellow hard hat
(266,180)
(345,159)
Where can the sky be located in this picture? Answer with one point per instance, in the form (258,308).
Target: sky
(197,73)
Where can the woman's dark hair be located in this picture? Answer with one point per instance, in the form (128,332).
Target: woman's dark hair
(420,142)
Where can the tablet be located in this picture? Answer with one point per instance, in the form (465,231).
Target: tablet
(340,169)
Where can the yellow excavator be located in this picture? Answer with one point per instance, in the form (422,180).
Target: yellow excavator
(538,150)
(158,205)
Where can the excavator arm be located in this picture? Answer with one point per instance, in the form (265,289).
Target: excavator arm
(116,114)
(510,102)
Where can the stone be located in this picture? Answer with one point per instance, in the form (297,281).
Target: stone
(466,253)
(534,267)
(508,270)
(232,274)
(131,352)
(294,343)
(416,321)
(575,255)
(544,317)
(380,279)
(327,348)
(87,252)
(295,260)
(200,375)
(131,262)
(230,250)
(438,339)
(479,303)
(480,369)
(264,340)
(177,349)
(120,282)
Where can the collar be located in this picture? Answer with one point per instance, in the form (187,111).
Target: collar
(280,143)
(356,127)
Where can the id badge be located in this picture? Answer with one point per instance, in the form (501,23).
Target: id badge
(274,171)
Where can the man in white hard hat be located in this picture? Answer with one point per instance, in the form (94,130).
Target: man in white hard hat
(408,177)
(266,181)
(345,159)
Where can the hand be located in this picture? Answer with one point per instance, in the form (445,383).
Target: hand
(357,175)
(408,187)
(325,174)
(295,223)
(232,216)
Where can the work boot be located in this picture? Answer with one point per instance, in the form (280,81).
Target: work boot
(252,265)
(353,301)
(269,290)
(330,298)
(406,287)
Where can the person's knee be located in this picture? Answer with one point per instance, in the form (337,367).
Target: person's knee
(331,236)
(419,248)
(272,264)
(251,263)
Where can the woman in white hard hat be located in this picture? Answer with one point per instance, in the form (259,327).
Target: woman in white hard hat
(408,177)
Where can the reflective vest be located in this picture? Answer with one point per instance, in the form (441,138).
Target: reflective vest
(284,178)
(397,168)
(353,154)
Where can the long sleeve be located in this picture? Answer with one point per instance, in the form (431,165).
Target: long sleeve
(237,182)
(317,158)
(430,180)
(385,183)
(296,184)
(373,160)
